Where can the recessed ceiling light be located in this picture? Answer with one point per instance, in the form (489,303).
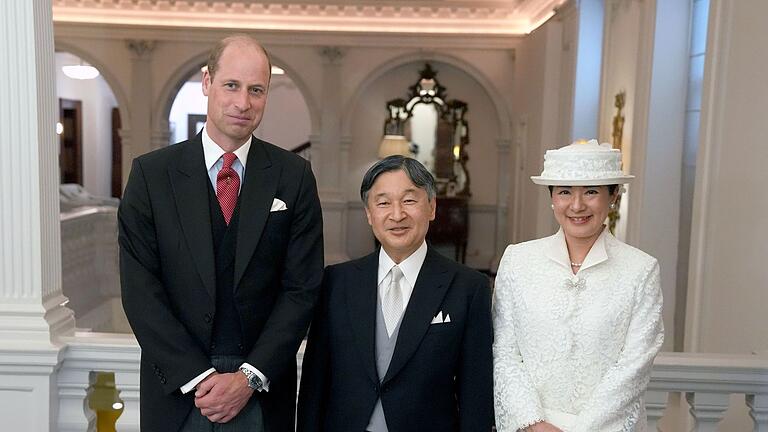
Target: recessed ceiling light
(80,72)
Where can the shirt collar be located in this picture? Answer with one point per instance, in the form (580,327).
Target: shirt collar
(558,250)
(212,152)
(410,266)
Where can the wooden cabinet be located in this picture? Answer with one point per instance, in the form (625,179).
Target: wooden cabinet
(451,225)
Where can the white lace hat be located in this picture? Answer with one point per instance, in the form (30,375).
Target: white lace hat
(583,163)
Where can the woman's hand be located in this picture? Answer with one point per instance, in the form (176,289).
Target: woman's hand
(542,427)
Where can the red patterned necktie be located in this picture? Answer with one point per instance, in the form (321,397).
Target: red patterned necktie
(227,187)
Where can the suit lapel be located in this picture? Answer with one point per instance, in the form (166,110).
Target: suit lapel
(189,181)
(361,305)
(256,195)
(431,286)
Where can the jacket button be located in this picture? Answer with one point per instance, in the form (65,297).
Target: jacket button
(241,347)
(208,318)
(162,380)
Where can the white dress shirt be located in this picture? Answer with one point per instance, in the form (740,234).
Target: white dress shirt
(213,163)
(410,267)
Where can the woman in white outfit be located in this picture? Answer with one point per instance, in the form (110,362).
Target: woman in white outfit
(577,315)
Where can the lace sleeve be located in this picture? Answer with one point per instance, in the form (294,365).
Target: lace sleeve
(615,404)
(516,401)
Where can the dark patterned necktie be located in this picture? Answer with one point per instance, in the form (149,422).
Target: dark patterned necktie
(227,187)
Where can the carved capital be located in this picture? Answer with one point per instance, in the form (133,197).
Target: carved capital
(141,49)
(331,54)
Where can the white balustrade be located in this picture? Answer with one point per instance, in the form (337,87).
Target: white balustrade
(758,410)
(89,351)
(90,273)
(708,381)
(655,404)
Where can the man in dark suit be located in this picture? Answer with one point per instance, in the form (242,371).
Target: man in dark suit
(221,259)
(401,340)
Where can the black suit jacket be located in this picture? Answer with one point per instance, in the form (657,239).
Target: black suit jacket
(441,375)
(168,277)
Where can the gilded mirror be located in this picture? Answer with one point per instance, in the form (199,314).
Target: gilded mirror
(436,131)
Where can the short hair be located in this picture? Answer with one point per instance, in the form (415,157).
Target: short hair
(611,188)
(218,50)
(419,175)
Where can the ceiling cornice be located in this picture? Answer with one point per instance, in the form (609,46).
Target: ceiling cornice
(422,17)
(294,38)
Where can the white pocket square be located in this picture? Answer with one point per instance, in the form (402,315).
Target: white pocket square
(439,319)
(278,205)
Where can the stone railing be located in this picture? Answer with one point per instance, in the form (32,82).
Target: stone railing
(90,273)
(706,380)
(88,352)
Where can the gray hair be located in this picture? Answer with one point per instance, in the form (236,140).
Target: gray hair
(415,171)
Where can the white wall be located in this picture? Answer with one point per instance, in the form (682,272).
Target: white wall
(189,100)
(97,103)
(286,120)
(728,277)
(538,118)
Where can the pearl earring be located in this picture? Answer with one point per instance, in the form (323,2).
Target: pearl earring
(552,206)
(613,205)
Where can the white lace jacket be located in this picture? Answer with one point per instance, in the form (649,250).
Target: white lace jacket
(579,345)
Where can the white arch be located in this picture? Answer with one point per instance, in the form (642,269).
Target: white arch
(500,106)
(182,73)
(109,77)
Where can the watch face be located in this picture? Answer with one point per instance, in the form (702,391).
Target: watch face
(254,381)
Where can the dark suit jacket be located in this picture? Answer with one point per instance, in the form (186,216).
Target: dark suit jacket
(441,375)
(168,278)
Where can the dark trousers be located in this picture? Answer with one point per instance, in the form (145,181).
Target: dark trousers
(250,419)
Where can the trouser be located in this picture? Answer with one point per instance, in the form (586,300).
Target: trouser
(250,418)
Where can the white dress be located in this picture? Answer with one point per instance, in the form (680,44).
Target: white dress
(575,350)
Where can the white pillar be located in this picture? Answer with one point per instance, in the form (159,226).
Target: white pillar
(707,409)
(141,107)
(327,158)
(32,315)
(658,124)
(586,89)
(758,410)
(655,404)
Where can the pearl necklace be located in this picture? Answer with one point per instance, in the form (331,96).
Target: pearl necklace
(573,264)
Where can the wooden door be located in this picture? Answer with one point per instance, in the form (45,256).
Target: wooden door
(117,155)
(71,141)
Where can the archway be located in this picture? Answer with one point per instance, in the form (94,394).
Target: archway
(90,116)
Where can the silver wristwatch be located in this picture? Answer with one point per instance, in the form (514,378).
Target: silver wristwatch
(254,381)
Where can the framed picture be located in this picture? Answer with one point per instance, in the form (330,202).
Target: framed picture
(195,123)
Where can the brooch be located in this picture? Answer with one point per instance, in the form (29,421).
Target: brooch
(575,283)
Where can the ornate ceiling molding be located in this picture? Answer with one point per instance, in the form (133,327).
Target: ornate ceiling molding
(467,17)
